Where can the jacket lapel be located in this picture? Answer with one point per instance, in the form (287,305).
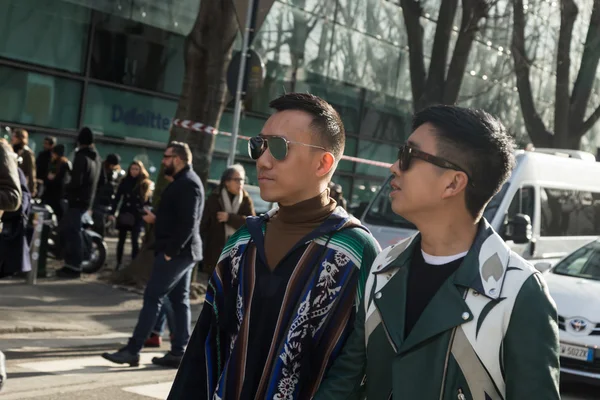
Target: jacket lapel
(482,270)
(446,310)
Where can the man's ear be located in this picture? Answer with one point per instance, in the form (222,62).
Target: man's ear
(458,183)
(326,164)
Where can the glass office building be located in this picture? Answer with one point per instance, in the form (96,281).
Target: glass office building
(117,66)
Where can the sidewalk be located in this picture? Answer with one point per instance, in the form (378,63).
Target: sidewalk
(86,305)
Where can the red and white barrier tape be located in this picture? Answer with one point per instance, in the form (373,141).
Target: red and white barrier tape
(200,127)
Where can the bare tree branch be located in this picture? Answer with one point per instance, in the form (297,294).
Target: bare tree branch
(533,122)
(473,12)
(590,59)
(589,123)
(568,15)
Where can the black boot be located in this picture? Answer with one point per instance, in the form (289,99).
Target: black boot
(168,360)
(123,356)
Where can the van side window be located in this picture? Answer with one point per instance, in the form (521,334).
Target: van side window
(522,203)
(569,213)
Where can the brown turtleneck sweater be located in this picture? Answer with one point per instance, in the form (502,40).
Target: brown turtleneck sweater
(292,223)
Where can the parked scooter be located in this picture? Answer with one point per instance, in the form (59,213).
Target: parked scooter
(94,247)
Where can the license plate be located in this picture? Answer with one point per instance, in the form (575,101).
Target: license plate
(576,352)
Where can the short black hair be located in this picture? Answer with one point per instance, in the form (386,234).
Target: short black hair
(85,136)
(476,141)
(59,150)
(182,150)
(327,123)
(51,140)
(113,159)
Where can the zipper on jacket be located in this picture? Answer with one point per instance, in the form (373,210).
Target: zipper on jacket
(446,364)
(388,336)
(461,395)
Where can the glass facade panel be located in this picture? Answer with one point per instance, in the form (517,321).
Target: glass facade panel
(375,151)
(49,33)
(117,113)
(135,54)
(349,150)
(173,16)
(36,99)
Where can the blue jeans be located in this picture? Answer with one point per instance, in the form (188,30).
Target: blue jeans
(73,240)
(168,278)
(165,316)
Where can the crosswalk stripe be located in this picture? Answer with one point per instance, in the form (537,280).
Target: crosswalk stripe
(156,391)
(84,365)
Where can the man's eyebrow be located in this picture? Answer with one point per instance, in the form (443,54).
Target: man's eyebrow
(412,144)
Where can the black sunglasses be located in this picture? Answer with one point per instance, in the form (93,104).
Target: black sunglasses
(407,153)
(277,145)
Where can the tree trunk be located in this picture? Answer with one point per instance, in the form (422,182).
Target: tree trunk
(207,54)
(412,10)
(568,15)
(436,78)
(473,13)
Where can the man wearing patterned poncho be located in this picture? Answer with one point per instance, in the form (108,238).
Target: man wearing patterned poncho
(282,300)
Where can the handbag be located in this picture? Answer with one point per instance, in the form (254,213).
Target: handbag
(126,220)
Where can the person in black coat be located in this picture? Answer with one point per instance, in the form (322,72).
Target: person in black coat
(80,194)
(132,195)
(42,164)
(57,179)
(14,248)
(177,249)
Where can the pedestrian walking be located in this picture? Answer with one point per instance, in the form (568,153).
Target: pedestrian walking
(132,196)
(451,312)
(80,193)
(225,212)
(177,249)
(280,302)
(108,182)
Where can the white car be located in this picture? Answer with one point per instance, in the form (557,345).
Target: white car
(574,284)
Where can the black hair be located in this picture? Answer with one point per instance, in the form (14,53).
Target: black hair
(113,159)
(51,140)
(327,123)
(476,141)
(59,150)
(85,136)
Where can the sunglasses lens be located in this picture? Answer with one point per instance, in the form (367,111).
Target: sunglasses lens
(278,148)
(404,157)
(256,147)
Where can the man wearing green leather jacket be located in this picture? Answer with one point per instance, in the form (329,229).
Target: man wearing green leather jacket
(451,312)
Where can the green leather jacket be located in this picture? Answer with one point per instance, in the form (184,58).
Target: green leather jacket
(489,333)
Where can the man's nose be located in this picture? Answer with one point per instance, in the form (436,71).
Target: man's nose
(265,161)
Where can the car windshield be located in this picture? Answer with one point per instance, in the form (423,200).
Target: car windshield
(583,263)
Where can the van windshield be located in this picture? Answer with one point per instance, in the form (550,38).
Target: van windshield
(380,210)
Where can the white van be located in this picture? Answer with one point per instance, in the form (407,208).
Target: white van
(559,190)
